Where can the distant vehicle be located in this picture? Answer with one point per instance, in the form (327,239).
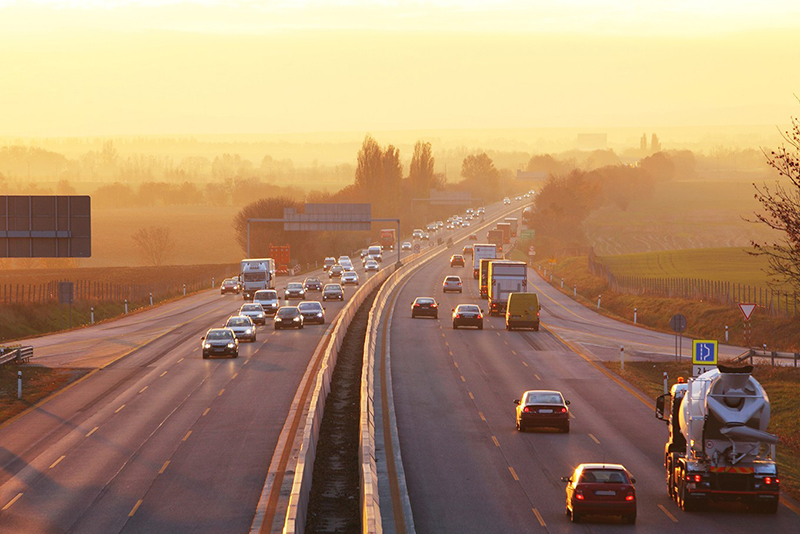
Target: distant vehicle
(328,263)
(473,237)
(601,489)
(256,274)
(480,252)
(432,227)
(350,278)
(426,236)
(220,342)
(505,277)
(467,250)
(506,228)
(332,292)
(335,271)
(388,238)
(469,211)
(288,317)
(481,210)
(312,283)
(294,290)
(495,237)
(417,233)
(514,224)
(457,260)
(527,215)
(542,408)
(242,327)
(229,285)
(376,253)
(523,311)
(344,258)
(450,226)
(467,315)
(268,298)
(254,311)
(312,311)
(451,283)
(405,246)
(506,201)
(465,224)
(424,306)
(371,265)
(347,265)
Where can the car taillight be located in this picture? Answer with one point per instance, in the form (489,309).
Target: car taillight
(768,480)
(416,305)
(480,316)
(458,316)
(527,409)
(459,284)
(694,478)
(434,305)
(563,410)
(629,496)
(579,494)
(538,313)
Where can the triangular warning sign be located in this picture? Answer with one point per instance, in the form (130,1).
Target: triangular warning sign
(747,310)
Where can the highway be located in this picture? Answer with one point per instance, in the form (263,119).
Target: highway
(154,438)
(469,470)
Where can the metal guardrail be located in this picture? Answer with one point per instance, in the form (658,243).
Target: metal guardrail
(772,355)
(17,355)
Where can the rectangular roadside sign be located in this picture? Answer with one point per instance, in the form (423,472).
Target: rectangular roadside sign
(704,356)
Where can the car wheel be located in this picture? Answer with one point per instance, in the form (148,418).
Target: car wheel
(536,328)
(300,327)
(460,291)
(436,316)
(413,315)
(253,339)
(480,326)
(565,429)
(236,354)
(277,327)
(205,356)
(575,517)
(455,326)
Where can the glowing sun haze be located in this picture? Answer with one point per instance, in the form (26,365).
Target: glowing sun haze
(88,67)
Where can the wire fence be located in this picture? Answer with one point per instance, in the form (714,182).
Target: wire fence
(773,301)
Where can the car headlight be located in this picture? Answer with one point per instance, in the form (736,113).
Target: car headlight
(278,319)
(260,315)
(296,319)
(207,346)
(231,345)
(248,331)
(319,314)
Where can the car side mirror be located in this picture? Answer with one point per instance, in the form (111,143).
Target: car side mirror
(203,338)
(633,480)
(516,402)
(661,403)
(566,479)
(453,309)
(566,402)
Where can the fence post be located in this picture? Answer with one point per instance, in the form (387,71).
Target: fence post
(151,298)
(184,290)
(212,283)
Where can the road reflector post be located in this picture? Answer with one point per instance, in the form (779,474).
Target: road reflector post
(635,315)
(151,299)
(622,358)
(19,384)
(184,290)
(574,291)
(212,282)
(562,283)
(726,333)
(598,301)
(126,306)
(92,312)
(666,383)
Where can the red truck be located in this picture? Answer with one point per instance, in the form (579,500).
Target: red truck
(388,238)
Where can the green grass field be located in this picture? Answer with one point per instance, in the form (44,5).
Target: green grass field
(724,264)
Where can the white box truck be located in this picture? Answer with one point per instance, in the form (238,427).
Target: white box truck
(256,273)
(481,252)
(505,277)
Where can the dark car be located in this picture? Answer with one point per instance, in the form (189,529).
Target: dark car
(601,489)
(312,284)
(542,408)
(467,315)
(328,263)
(312,311)
(288,317)
(467,250)
(473,237)
(424,306)
(335,271)
(229,285)
(220,342)
(457,260)
(294,290)
(332,292)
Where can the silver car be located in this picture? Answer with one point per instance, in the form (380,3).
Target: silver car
(371,265)
(350,278)
(268,298)
(255,312)
(242,327)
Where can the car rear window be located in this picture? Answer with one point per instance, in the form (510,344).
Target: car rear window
(425,301)
(309,306)
(544,398)
(604,476)
(452,279)
(469,309)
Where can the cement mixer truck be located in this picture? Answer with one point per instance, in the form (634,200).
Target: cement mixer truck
(718,447)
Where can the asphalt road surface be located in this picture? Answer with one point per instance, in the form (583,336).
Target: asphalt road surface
(469,470)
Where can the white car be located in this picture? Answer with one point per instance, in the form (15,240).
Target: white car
(347,265)
(451,283)
(350,278)
(255,312)
(405,246)
(242,326)
(417,234)
(371,265)
(506,201)
(268,298)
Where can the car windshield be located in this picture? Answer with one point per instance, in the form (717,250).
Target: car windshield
(544,398)
(266,295)
(312,280)
(330,287)
(295,285)
(238,321)
(468,309)
(310,306)
(252,307)
(218,335)
(288,312)
(337,267)
(604,476)
(254,277)
(425,301)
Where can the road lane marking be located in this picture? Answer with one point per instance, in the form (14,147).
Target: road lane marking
(189,433)
(144,388)
(513,473)
(119,409)
(506,342)
(442,333)
(451,352)
(483,418)
(12,501)
(674,520)
(135,507)
(537,376)
(162,374)
(246,361)
(58,461)
(463,379)
(456,364)
(497,443)
(539,517)
(446,344)
(195,349)
(594,439)
(221,392)
(514,352)
(471,396)
(525,363)
(498,333)
(206,411)
(179,361)
(163,467)
(234,375)
(92,431)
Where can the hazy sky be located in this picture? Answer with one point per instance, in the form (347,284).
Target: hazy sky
(88,67)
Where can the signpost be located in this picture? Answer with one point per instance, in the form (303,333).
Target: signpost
(417,248)
(704,356)
(747,311)
(678,325)
(66,291)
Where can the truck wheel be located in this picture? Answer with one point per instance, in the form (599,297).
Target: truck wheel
(575,517)
(686,503)
(480,326)
(536,328)
(630,519)
(455,326)
(770,507)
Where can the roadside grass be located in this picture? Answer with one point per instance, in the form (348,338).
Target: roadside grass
(780,383)
(724,264)
(37,383)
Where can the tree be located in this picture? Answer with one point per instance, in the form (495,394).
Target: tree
(781,205)
(154,243)
(420,173)
(481,176)
(369,171)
